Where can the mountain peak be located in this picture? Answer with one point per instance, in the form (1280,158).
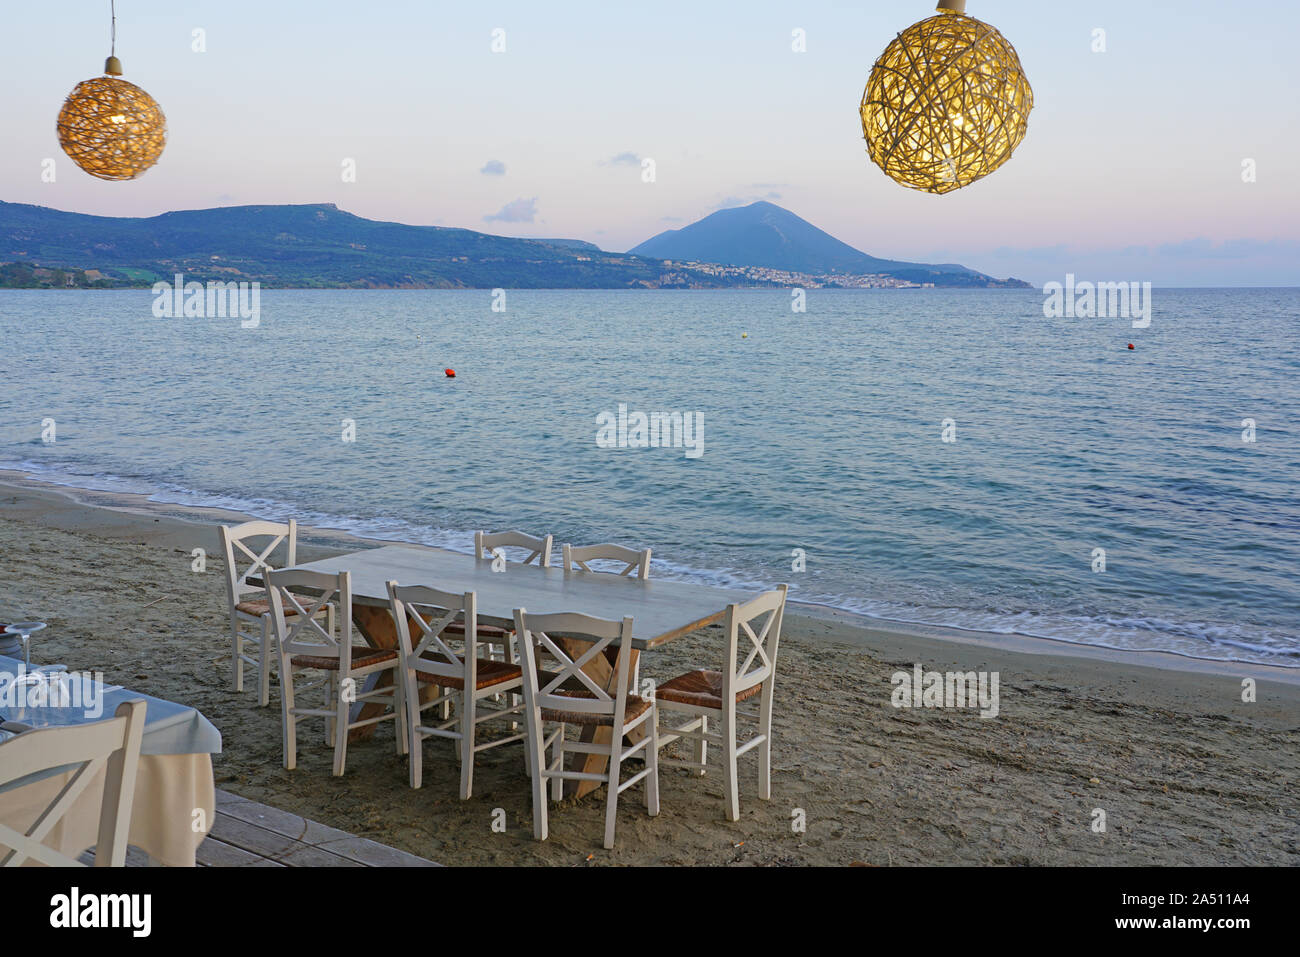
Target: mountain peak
(764,234)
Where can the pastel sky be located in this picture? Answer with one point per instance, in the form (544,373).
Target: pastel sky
(1132,168)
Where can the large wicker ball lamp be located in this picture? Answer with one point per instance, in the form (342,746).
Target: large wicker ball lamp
(947,102)
(111,128)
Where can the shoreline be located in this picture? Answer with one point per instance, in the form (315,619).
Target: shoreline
(321,541)
(1186,771)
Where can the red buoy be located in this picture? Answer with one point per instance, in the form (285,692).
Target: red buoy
(1130,345)
(451,373)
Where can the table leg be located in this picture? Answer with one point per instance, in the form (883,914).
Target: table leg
(601,670)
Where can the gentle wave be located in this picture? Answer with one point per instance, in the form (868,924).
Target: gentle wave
(1208,641)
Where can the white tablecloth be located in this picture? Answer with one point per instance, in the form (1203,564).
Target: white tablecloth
(174,799)
(169,789)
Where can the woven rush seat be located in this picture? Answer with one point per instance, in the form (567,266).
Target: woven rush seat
(484,631)
(260,606)
(257,607)
(636,706)
(489,673)
(703,689)
(499,671)
(361,658)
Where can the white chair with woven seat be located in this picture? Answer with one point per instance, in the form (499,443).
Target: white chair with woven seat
(635,564)
(714,694)
(586,704)
(459,673)
(485,546)
(112,746)
(248,603)
(344,667)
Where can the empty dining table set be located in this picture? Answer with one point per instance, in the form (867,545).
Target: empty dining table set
(547,656)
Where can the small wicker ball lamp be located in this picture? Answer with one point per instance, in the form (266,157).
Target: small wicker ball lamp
(111,128)
(947,102)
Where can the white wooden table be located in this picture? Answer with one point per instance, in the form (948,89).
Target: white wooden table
(660,610)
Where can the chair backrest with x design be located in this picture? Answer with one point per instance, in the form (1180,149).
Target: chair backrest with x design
(541,633)
(112,746)
(255,543)
(432,610)
(538,548)
(634,563)
(758,647)
(301,633)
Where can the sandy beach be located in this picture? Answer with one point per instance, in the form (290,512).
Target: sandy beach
(1184,770)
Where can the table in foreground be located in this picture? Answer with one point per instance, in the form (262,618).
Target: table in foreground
(174,793)
(660,610)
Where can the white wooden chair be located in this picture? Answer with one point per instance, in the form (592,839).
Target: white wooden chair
(248,604)
(306,646)
(635,563)
(590,704)
(539,549)
(112,745)
(458,672)
(702,695)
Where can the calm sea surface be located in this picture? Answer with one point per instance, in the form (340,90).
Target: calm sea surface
(821,431)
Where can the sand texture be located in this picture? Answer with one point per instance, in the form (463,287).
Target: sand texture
(1185,771)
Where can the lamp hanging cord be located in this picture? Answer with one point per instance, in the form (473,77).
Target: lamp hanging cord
(113,66)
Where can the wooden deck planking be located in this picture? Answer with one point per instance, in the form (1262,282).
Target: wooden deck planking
(248,834)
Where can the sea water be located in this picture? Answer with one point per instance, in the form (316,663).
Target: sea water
(930,456)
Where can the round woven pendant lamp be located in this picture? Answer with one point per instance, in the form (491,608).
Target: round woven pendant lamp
(947,102)
(112,129)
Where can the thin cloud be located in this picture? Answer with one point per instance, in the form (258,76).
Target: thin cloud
(517,211)
(731,202)
(623,159)
(1030,254)
(493,168)
(1202,248)
(1198,248)
(1196,261)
